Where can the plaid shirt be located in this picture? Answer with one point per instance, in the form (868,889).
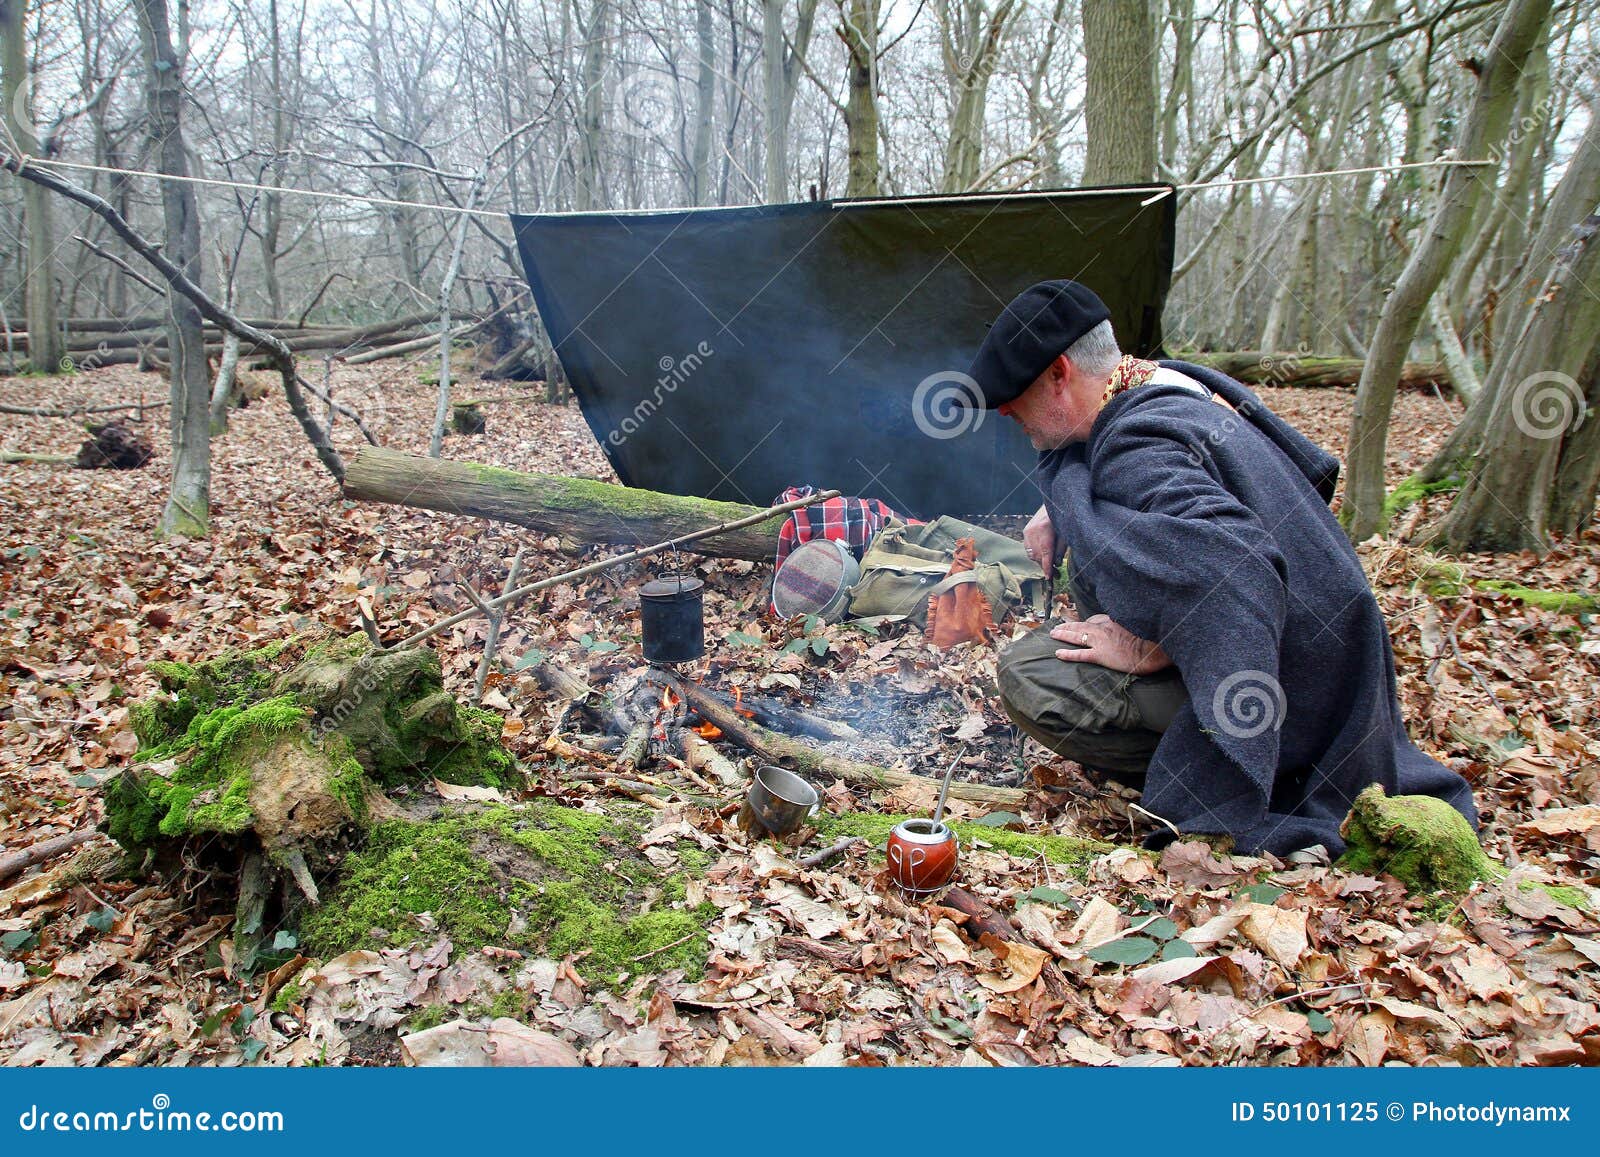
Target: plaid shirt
(852,521)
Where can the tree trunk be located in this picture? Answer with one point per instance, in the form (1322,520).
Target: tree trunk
(1044,119)
(1265,368)
(1119,39)
(1505,503)
(1572,498)
(705,111)
(1452,351)
(1519,30)
(1574,196)
(1532,107)
(578,509)
(46,351)
(272,203)
(972,38)
(188,509)
(858,28)
(588,194)
(780,74)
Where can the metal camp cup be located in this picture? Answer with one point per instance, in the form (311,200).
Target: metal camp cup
(781,800)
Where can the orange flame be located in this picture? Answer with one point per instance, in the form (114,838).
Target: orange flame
(738,704)
(668,702)
(707,730)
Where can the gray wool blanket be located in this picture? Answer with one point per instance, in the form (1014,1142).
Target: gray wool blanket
(1209,532)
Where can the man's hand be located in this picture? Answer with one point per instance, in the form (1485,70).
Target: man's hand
(1099,640)
(1039,537)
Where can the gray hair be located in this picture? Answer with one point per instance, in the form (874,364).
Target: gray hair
(1096,352)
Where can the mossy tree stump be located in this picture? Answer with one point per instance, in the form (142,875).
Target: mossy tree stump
(467,418)
(263,767)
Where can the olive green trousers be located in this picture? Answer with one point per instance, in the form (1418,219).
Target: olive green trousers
(1106,720)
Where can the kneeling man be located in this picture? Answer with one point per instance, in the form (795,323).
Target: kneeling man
(1229,656)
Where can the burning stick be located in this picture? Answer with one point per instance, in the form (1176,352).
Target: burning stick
(702,756)
(775,748)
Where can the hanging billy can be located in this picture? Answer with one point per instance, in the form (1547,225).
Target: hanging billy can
(672,619)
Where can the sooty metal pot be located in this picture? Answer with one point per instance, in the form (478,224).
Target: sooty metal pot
(672,619)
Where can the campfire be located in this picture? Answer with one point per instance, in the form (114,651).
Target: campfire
(654,732)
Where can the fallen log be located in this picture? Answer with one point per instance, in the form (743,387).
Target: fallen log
(702,756)
(775,748)
(791,720)
(1257,368)
(16,863)
(576,508)
(79,411)
(426,341)
(22,457)
(817,859)
(159,321)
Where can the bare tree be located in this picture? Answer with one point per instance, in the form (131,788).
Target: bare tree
(188,509)
(858,29)
(1519,30)
(781,59)
(46,349)
(971,37)
(1120,44)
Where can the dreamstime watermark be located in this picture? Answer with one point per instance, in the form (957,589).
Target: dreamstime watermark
(649,101)
(22,118)
(160,1117)
(1547,405)
(93,360)
(1536,118)
(355,694)
(947,405)
(1248,703)
(359,403)
(674,372)
(1278,370)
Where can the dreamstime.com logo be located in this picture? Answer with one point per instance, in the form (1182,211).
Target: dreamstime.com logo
(1248,703)
(674,372)
(22,116)
(159,1118)
(947,405)
(1547,405)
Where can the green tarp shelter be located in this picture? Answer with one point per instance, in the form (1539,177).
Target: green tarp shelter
(729,353)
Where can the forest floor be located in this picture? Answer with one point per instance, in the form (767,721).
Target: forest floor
(1222,959)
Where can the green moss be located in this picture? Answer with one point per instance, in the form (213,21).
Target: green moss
(474,753)
(509,1002)
(1562,602)
(431,1016)
(209,789)
(1441,579)
(288,996)
(1420,840)
(189,691)
(585,495)
(1073,854)
(1562,894)
(543,879)
(1412,491)
(172,675)
(400,721)
(349,782)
